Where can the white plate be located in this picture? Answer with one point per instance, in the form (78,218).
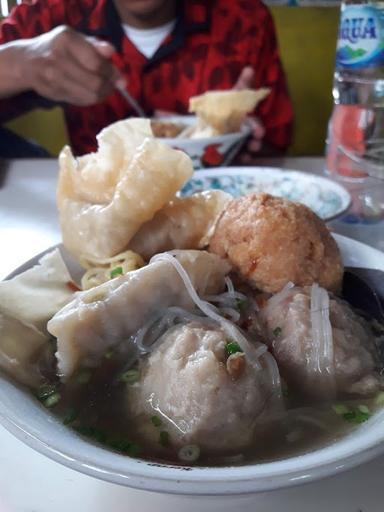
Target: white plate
(325,197)
(29,421)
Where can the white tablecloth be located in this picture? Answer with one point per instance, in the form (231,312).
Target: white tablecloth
(29,482)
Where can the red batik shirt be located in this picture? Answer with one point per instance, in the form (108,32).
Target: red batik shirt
(211,43)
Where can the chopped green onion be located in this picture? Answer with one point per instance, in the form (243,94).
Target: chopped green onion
(356,416)
(95,433)
(380,398)
(70,417)
(116,272)
(156,421)
(118,444)
(340,409)
(45,391)
(124,446)
(189,453)
(277,332)
(109,353)
(52,400)
(164,438)
(83,377)
(232,347)
(363,408)
(48,395)
(130,376)
(241,304)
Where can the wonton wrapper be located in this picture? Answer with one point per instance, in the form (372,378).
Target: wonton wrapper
(225,111)
(20,344)
(35,295)
(94,176)
(184,223)
(102,317)
(144,175)
(27,302)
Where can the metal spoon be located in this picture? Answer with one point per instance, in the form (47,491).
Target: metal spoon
(131,101)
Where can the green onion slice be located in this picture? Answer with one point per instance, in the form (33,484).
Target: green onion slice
(130,376)
(241,304)
(156,421)
(189,453)
(277,332)
(340,409)
(232,347)
(364,409)
(117,271)
(70,417)
(45,391)
(52,400)
(164,438)
(356,416)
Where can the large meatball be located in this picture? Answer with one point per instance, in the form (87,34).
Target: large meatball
(343,363)
(201,397)
(271,241)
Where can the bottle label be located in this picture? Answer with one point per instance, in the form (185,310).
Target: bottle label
(361,37)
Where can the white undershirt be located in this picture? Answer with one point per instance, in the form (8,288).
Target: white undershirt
(148,40)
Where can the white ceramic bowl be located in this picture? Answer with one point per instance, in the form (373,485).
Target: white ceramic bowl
(28,420)
(207,151)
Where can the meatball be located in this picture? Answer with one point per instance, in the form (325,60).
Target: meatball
(200,396)
(271,241)
(290,327)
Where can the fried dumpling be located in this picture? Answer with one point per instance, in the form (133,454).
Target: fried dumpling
(184,223)
(99,319)
(143,179)
(93,177)
(225,111)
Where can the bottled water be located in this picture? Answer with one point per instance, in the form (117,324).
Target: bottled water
(355,141)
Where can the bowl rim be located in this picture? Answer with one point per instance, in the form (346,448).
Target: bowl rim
(217,139)
(136,473)
(270,173)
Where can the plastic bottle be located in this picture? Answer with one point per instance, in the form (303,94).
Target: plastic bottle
(355,141)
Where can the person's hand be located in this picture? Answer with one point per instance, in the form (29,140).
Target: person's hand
(64,65)
(245,81)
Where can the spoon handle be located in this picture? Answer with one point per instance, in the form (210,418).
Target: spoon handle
(132,102)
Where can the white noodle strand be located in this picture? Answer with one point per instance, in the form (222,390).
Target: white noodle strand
(230,329)
(229,284)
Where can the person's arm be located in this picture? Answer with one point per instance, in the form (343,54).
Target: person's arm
(60,65)
(11,76)
(273,119)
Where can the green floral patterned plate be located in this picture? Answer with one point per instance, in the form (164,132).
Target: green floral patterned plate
(325,197)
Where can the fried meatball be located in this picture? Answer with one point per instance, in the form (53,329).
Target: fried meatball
(271,241)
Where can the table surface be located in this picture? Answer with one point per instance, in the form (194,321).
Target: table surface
(29,482)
